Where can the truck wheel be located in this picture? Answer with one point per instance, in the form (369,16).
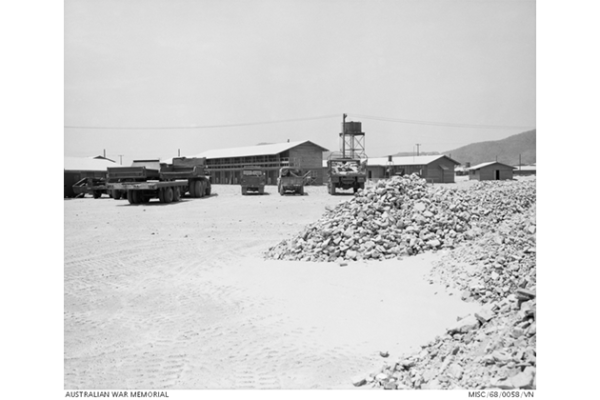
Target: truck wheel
(168,195)
(196,186)
(332,189)
(301,191)
(200,189)
(281,190)
(355,189)
(261,190)
(244,191)
(116,194)
(176,194)
(131,197)
(97,195)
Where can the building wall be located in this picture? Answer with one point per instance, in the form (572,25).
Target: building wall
(489,173)
(516,172)
(434,172)
(306,156)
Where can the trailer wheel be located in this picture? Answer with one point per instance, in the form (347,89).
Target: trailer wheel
(176,194)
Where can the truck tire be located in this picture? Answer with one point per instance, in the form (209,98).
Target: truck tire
(176,194)
(97,194)
(244,191)
(301,191)
(197,189)
(261,190)
(332,189)
(116,194)
(131,196)
(281,190)
(168,195)
(200,188)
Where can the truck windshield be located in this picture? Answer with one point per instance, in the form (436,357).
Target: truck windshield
(252,173)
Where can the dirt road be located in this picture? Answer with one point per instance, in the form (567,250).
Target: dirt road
(178,296)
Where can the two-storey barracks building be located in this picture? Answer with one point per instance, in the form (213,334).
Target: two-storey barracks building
(225,165)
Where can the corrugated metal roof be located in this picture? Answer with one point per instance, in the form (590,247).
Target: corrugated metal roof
(410,160)
(261,150)
(485,164)
(86,164)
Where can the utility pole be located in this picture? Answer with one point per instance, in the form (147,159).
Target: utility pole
(418,144)
(120,159)
(344,136)
(519,162)
(104,153)
(178,152)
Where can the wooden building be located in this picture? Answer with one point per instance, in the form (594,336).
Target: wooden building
(491,171)
(77,168)
(524,170)
(225,165)
(435,169)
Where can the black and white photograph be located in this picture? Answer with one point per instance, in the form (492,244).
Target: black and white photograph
(299,195)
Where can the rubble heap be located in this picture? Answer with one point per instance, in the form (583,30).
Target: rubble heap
(403,216)
(495,347)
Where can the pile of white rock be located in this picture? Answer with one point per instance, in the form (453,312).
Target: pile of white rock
(496,346)
(404,216)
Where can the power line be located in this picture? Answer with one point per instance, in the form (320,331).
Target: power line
(200,126)
(446,124)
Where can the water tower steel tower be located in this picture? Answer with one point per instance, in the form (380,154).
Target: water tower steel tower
(352,140)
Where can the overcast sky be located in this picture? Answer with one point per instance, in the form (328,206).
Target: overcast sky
(176,63)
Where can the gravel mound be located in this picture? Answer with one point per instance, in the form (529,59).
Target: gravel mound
(404,216)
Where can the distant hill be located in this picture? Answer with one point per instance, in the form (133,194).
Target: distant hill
(506,150)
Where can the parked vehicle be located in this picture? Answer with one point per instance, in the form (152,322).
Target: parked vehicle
(254,180)
(89,185)
(291,180)
(346,173)
(148,179)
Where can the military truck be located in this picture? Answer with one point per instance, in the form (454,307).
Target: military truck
(290,180)
(346,173)
(149,179)
(254,180)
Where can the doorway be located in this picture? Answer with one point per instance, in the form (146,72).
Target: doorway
(497,174)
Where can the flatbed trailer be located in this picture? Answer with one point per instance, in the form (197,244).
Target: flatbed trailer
(94,186)
(168,182)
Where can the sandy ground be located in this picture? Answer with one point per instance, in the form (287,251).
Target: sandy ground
(178,296)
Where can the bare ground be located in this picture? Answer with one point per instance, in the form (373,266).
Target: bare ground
(178,296)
